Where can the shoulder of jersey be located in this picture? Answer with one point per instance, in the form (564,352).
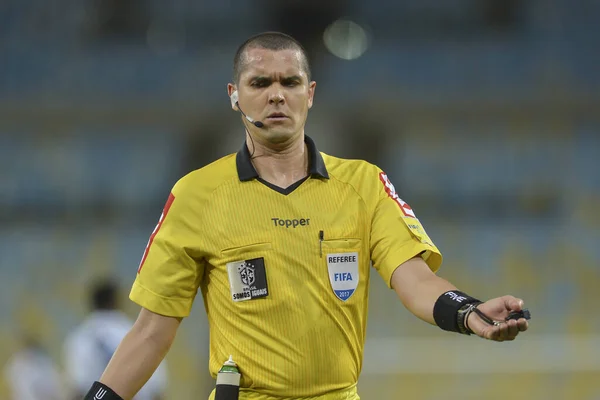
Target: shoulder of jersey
(209,177)
(359,173)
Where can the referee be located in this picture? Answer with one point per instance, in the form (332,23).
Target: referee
(279,238)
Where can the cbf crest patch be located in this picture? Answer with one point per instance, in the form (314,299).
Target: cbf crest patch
(343,274)
(247,279)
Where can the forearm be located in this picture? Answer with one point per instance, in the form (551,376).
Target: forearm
(419,288)
(137,357)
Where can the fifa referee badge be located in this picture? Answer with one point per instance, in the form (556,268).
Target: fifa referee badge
(228,381)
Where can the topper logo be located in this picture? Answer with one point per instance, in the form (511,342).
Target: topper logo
(293,223)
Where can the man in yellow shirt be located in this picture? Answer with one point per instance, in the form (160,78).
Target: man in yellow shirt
(279,238)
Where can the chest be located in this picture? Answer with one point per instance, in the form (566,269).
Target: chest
(302,221)
(317,234)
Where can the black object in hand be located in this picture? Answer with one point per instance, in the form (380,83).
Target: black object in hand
(519,314)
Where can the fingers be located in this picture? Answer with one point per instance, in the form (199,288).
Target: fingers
(512,330)
(496,333)
(522,324)
(506,332)
(500,334)
(512,303)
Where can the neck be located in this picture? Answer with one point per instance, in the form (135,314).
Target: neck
(280,164)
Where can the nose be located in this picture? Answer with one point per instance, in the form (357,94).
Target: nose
(276,97)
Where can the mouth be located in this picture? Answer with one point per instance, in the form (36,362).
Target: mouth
(277,116)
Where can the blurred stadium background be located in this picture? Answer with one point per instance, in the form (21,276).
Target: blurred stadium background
(484,113)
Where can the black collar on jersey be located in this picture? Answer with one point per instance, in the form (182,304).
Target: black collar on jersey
(247,172)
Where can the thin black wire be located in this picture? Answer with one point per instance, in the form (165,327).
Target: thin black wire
(252,140)
(247,131)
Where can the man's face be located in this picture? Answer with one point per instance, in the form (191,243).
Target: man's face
(274,89)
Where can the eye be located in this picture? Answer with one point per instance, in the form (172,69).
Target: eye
(260,83)
(290,83)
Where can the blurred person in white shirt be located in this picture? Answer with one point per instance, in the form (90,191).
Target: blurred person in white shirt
(89,348)
(31,373)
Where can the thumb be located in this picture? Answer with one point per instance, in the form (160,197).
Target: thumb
(512,303)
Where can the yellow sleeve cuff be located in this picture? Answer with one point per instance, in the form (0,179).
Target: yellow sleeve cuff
(167,306)
(432,257)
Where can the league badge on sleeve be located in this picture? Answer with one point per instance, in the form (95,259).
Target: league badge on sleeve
(391,191)
(247,279)
(343,274)
(408,215)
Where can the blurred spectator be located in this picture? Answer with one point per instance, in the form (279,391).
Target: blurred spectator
(32,375)
(89,348)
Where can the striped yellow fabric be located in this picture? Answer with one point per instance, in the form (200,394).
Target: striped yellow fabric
(344,394)
(298,337)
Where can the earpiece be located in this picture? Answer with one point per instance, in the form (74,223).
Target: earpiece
(234,99)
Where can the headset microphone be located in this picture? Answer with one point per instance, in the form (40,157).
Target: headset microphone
(234,102)
(257,124)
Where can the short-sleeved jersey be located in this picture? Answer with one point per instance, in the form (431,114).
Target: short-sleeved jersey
(284,273)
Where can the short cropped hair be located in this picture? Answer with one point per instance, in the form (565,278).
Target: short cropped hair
(270,41)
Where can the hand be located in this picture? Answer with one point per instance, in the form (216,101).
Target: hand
(498,309)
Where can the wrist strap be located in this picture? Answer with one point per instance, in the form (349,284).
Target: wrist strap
(445,310)
(485,318)
(462,318)
(100,391)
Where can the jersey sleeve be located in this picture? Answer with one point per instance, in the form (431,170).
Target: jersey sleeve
(171,268)
(396,233)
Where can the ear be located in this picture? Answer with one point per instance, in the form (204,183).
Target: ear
(311,93)
(233,96)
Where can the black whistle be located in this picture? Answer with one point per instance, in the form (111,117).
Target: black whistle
(519,314)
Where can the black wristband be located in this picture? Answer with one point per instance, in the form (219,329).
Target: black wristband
(100,391)
(445,310)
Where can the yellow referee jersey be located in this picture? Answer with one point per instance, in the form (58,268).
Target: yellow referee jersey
(284,273)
